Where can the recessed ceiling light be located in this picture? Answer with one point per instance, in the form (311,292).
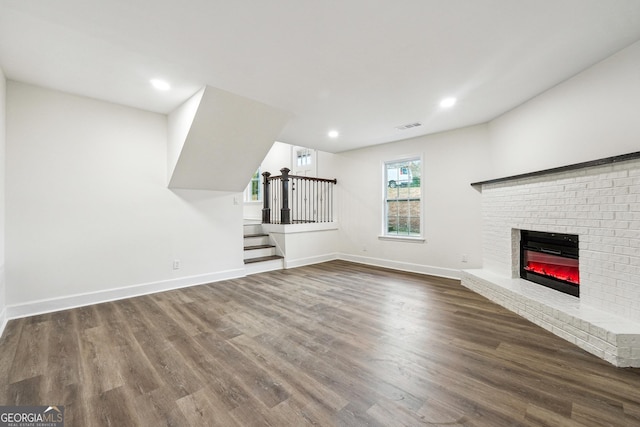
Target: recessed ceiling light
(160,84)
(448,102)
(333,134)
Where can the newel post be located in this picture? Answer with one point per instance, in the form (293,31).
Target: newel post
(266,210)
(285,212)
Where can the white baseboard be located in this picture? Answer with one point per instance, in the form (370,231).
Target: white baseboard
(448,273)
(79,300)
(33,308)
(310,260)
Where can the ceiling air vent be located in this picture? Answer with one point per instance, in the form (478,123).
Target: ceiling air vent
(409,126)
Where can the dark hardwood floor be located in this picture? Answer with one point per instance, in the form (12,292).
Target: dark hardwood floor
(330,344)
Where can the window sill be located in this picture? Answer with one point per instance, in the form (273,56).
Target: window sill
(402,239)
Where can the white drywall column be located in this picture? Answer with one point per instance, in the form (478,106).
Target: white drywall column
(228,138)
(178,125)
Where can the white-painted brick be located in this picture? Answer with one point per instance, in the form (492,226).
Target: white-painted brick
(601,204)
(623,182)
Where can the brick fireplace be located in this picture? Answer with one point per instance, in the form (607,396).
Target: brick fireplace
(600,203)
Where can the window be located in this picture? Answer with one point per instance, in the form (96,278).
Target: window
(303,157)
(403,198)
(253,192)
(303,161)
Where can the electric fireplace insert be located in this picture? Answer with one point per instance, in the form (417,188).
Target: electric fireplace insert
(550,259)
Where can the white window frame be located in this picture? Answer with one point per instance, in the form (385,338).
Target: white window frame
(385,184)
(248,193)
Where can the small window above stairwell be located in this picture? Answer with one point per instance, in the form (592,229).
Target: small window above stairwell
(303,157)
(304,161)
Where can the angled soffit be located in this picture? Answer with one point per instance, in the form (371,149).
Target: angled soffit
(218,139)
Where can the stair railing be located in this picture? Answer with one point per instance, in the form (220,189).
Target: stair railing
(294,199)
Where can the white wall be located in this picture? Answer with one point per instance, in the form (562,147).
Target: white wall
(304,244)
(3,96)
(591,116)
(452,160)
(279,157)
(88,210)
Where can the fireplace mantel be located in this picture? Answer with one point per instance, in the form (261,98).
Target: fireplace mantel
(575,166)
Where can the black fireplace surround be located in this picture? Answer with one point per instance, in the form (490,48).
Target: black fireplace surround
(550,259)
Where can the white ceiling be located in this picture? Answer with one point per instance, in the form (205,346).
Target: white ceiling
(362,67)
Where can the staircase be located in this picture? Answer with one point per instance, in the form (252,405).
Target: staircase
(260,254)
